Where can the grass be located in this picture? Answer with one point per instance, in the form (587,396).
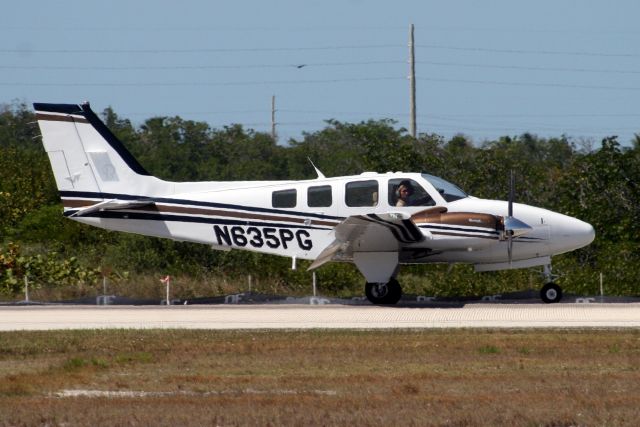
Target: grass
(181,377)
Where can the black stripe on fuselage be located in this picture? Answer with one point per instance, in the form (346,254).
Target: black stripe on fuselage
(464,232)
(521,239)
(95,195)
(459,229)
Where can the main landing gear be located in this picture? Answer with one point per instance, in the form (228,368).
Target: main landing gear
(389,293)
(384,293)
(550,292)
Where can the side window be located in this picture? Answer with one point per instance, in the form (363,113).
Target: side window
(319,197)
(407,192)
(284,199)
(361,193)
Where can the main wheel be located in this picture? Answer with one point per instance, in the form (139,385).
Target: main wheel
(551,293)
(383,293)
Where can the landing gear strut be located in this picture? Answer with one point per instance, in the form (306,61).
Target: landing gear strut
(550,292)
(384,293)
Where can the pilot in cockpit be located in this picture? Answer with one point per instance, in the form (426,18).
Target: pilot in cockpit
(404,193)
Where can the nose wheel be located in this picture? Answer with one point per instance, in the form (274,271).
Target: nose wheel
(384,293)
(550,292)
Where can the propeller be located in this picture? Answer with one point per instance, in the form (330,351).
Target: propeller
(513,227)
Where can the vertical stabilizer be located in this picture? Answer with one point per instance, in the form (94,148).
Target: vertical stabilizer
(87,158)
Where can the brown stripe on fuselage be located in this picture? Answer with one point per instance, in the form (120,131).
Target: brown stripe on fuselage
(199,211)
(468,219)
(74,203)
(57,118)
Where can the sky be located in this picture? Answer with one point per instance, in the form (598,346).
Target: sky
(484,69)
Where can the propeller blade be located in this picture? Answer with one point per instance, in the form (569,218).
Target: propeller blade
(513,227)
(510,248)
(512,185)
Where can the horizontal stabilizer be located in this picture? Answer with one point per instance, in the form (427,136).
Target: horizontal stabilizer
(109,205)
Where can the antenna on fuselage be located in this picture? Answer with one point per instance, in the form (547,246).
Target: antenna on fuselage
(320,174)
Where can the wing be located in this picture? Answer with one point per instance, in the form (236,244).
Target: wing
(421,235)
(371,233)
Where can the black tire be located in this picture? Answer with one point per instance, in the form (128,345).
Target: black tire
(551,293)
(384,293)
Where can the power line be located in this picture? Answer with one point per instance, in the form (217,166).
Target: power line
(534,84)
(198,84)
(530,52)
(529,68)
(191,67)
(458,116)
(306,28)
(310,65)
(519,115)
(318,48)
(217,28)
(373,114)
(199,50)
(315,81)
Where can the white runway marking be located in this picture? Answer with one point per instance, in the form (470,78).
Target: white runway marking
(329,317)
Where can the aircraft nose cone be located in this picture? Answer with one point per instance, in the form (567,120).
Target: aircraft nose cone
(583,232)
(588,232)
(574,233)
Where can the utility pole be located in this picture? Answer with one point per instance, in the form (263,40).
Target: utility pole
(412,84)
(273,117)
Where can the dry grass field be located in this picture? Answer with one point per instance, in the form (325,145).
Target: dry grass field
(444,377)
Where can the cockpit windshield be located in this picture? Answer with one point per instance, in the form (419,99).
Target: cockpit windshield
(449,191)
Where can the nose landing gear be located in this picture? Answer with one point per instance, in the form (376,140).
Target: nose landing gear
(550,292)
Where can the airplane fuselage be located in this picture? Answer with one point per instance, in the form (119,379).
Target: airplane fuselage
(249,216)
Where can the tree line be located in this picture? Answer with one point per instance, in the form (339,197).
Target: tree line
(599,185)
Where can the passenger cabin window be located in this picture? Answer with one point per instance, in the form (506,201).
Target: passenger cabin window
(361,193)
(319,197)
(406,192)
(284,199)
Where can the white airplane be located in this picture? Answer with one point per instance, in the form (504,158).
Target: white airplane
(377,221)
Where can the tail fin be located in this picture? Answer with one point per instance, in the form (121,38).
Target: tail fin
(87,158)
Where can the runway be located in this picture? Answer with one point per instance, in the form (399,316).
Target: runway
(320,317)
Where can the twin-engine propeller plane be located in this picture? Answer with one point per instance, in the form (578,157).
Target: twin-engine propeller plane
(376,221)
